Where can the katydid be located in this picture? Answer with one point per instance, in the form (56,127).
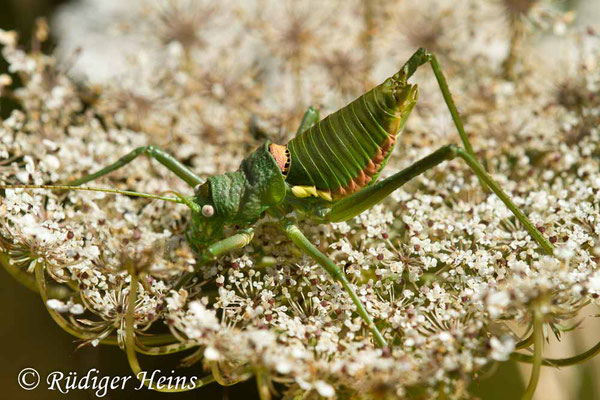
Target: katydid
(327,173)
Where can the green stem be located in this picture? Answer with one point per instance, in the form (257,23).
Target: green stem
(560,362)
(129,326)
(161,350)
(518,33)
(226,380)
(56,316)
(538,343)
(525,342)
(28,280)
(160,339)
(157,339)
(130,345)
(263,386)
(193,358)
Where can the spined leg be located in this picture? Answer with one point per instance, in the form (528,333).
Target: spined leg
(423,56)
(371,195)
(468,155)
(298,238)
(366,198)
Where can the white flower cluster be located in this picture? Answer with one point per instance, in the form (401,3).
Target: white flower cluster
(442,266)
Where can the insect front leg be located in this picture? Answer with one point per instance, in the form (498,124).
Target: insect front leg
(218,249)
(311,117)
(298,238)
(371,195)
(158,154)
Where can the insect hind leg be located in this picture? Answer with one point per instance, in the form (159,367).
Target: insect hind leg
(423,56)
(371,195)
(468,155)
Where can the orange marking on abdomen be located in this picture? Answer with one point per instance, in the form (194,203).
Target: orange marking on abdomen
(365,176)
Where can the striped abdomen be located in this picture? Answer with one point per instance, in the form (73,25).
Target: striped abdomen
(348,149)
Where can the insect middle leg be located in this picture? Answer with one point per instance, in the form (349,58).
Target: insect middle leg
(158,154)
(298,238)
(371,195)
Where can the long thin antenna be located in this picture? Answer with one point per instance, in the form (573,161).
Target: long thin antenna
(94,189)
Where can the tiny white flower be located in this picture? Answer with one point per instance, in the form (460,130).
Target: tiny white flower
(211,354)
(501,348)
(57,305)
(76,309)
(324,389)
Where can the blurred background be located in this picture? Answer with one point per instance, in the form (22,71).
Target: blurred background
(29,337)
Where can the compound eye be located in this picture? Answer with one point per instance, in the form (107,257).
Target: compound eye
(208,210)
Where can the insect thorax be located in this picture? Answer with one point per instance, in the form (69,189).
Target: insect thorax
(237,198)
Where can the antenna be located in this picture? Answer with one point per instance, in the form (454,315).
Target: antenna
(95,189)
